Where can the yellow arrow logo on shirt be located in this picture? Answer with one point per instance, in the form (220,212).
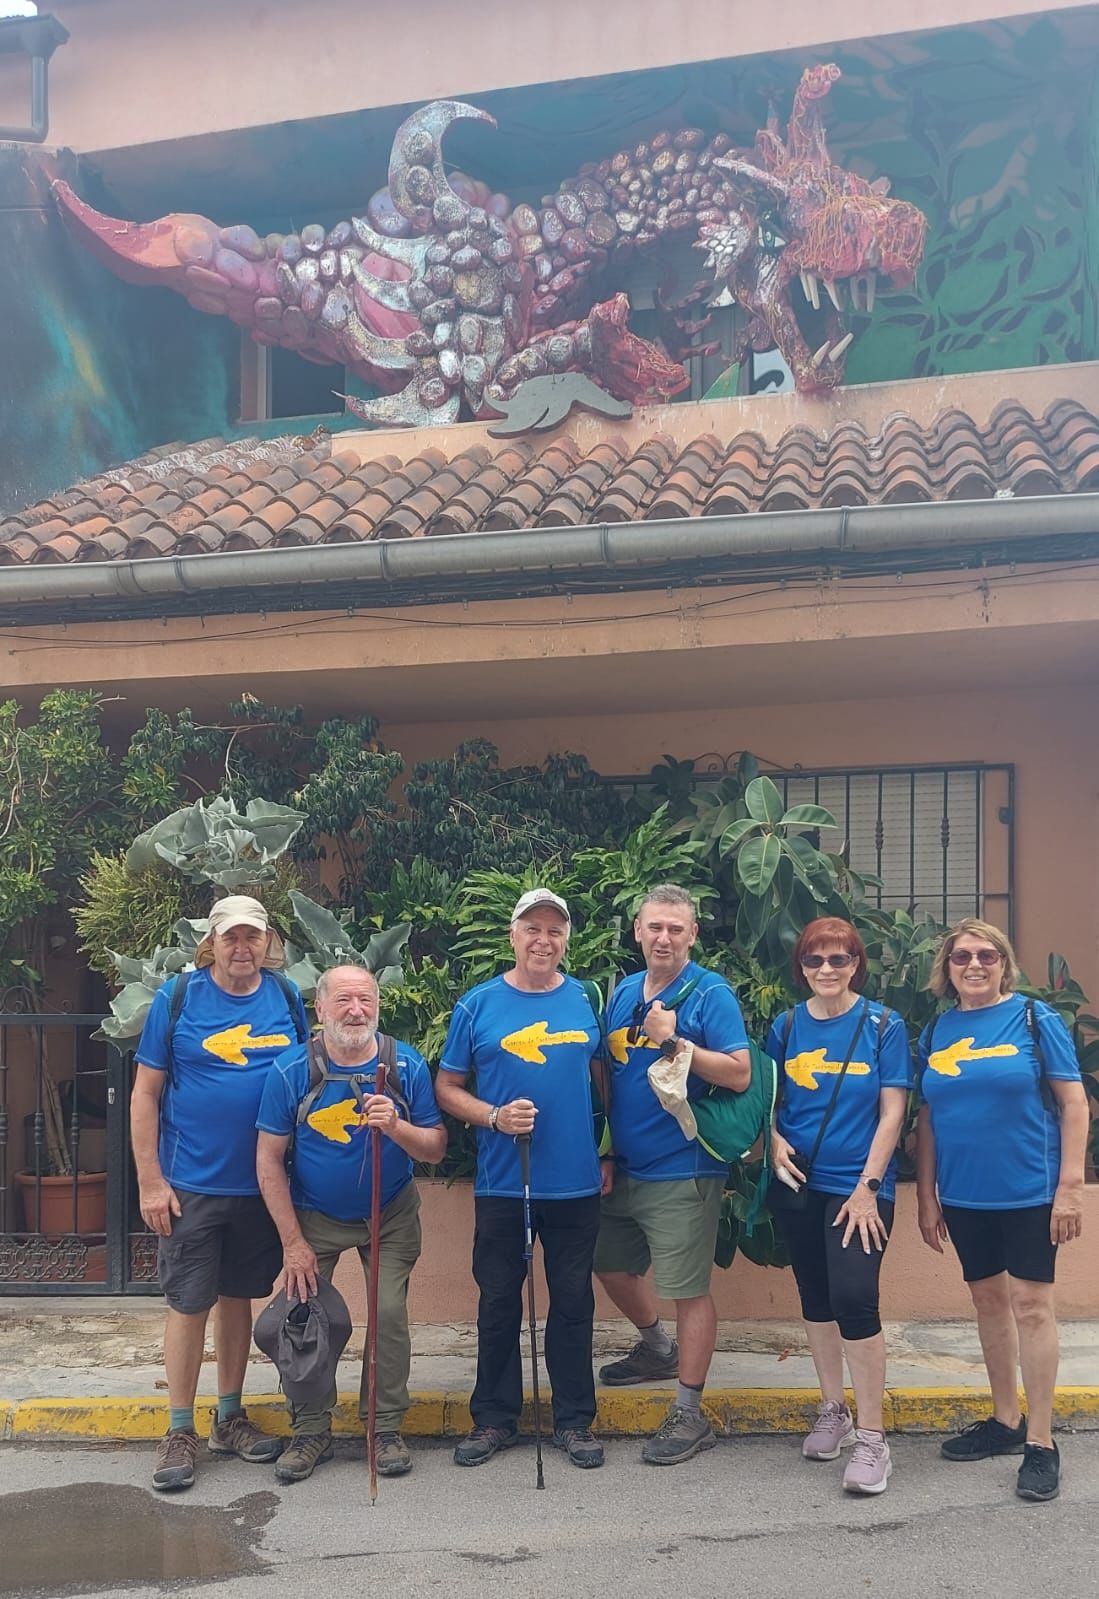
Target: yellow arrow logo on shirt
(945,1061)
(804,1069)
(616,1043)
(230,1045)
(530,1042)
(334,1120)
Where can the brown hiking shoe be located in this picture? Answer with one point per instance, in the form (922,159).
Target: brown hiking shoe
(394,1457)
(302,1455)
(176,1454)
(236,1435)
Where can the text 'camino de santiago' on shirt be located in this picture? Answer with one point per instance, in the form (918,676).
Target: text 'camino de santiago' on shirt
(535,1046)
(997,1145)
(648,1142)
(221,1050)
(332,1166)
(810,1059)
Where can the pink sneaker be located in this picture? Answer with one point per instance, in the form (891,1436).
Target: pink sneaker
(832,1431)
(869,1467)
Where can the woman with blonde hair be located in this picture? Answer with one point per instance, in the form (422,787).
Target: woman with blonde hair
(1001,1139)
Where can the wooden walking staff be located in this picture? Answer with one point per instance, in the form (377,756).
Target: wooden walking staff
(372,1294)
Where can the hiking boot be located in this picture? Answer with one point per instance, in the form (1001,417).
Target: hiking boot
(394,1458)
(869,1466)
(236,1435)
(982,1439)
(1040,1473)
(302,1455)
(680,1435)
(641,1365)
(482,1443)
(832,1431)
(578,1443)
(176,1454)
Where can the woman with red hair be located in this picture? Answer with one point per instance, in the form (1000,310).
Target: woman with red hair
(846,1069)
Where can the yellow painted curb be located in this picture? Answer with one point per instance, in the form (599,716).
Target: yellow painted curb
(438,1414)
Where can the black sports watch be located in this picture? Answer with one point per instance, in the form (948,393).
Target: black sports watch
(670,1047)
(873,1183)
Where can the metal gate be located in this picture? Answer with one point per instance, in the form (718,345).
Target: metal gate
(69,1219)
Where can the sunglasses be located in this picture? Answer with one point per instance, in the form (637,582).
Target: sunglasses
(813,963)
(987,957)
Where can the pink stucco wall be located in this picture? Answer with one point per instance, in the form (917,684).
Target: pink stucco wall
(917,1284)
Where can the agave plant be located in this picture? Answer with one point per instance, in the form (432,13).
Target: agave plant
(326,942)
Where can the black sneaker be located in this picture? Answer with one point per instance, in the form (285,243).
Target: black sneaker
(1040,1473)
(983,1439)
(581,1448)
(641,1365)
(680,1435)
(482,1443)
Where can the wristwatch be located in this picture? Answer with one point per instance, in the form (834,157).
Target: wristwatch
(670,1047)
(494,1116)
(873,1183)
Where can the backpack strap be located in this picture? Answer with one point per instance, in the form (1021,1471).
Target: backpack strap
(320,1074)
(599,1067)
(293,1001)
(175,1010)
(1034,1029)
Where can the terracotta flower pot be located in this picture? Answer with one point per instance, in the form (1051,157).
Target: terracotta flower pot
(57,1203)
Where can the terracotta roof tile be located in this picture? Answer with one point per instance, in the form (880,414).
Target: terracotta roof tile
(254,494)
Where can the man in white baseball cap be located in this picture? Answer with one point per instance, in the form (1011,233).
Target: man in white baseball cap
(203,1059)
(529,1036)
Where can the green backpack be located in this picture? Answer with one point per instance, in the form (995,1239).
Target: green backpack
(730,1123)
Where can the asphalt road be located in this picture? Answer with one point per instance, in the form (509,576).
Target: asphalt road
(749,1518)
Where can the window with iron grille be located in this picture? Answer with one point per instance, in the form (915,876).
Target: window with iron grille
(940,838)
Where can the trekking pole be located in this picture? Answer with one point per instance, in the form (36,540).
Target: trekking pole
(523,1140)
(372,1294)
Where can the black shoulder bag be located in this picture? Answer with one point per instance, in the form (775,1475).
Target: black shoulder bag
(779,1196)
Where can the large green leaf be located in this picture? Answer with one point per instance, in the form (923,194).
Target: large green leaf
(735,833)
(757,862)
(763,800)
(808,816)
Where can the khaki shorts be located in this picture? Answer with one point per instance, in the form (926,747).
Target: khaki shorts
(671,1226)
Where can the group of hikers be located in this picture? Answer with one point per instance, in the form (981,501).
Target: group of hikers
(253,1141)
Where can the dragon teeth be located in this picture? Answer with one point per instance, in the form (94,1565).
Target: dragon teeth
(838,349)
(812,289)
(870,281)
(818,358)
(834,294)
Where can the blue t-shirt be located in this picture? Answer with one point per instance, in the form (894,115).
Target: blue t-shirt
(997,1146)
(810,1060)
(539,1047)
(331,1167)
(648,1141)
(222,1049)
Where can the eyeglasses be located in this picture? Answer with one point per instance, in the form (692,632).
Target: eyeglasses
(813,963)
(987,957)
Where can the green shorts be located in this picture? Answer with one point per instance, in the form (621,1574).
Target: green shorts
(671,1226)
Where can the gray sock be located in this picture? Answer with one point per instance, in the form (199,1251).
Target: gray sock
(688,1397)
(656,1339)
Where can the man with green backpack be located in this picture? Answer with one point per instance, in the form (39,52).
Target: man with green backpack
(664,1206)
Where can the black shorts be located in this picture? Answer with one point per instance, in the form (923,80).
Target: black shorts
(993,1241)
(221,1244)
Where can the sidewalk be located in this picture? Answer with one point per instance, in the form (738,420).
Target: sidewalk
(90,1370)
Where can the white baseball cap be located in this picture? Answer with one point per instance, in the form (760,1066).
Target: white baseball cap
(539,896)
(238,910)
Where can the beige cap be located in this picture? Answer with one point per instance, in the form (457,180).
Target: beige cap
(539,896)
(238,910)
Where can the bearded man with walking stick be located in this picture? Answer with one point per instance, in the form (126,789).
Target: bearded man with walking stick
(528,1038)
(327,1097)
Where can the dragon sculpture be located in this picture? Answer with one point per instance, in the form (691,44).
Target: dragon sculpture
(446,297)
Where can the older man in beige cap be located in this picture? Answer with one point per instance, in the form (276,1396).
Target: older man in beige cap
(203,1059)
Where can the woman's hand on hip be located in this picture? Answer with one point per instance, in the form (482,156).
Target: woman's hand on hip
(859,1213)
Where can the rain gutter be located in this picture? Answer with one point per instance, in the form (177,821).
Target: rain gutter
(600,556)
(36,37)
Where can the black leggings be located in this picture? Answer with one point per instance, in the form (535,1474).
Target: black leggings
(835,1284)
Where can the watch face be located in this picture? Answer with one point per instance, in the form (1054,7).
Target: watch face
(873,1183)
